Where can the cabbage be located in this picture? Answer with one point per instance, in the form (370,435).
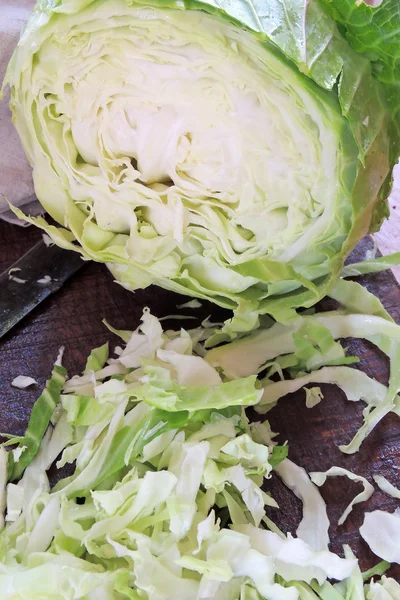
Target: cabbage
(231,151)
(319,479)
(313,527)
(381,531)
(386,486)
(306,350)
(388,589)
(167,502)
(146,509)
(22,382)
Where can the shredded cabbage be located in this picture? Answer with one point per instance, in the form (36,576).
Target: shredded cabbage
(381,531)
(169,482)
(305,351)
(319,479)
(153,486)
(386,486)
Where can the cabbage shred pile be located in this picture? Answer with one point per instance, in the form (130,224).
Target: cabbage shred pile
(169,477)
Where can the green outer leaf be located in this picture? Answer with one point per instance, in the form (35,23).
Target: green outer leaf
(375,32)
(42,412)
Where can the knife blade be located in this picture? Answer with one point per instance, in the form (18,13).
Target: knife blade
(37,274)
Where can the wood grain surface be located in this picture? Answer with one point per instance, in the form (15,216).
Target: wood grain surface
(73,318)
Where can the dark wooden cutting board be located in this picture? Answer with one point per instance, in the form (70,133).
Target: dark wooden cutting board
(73,318)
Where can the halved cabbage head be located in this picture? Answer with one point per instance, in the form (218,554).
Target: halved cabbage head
(185,150)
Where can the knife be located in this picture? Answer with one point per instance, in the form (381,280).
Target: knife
(37,274)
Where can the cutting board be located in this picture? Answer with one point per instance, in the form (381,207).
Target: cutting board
(73,318)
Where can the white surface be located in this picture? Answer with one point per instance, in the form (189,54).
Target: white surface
(16,179)
(388,238)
